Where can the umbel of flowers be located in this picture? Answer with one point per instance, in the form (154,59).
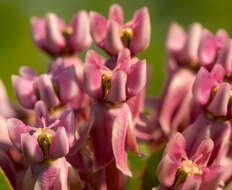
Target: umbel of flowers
(75,123)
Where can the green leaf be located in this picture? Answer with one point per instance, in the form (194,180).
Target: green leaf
(149,179)
(4,182)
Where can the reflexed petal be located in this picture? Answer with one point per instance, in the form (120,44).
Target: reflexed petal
(119,132)
(15,129)
(80,39)
(141,31)
(117,92)
(221,38)
(98,27)
(116,13)
(136,78)
(60,144)
(113,43)
(31,149)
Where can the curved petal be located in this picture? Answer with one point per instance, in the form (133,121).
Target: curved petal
(98,27)
(38,32)
(41,114)
(67,120)
(212,177)
(175,40)
(25,92)
(46,91)
(203,152)
(136,78)
(60,144)
(219,104)
(207,49)
(190,51)
(67,83)
(221,38)
(176,147)
(218,73)
(92,57)
(141,31)
(27,72)
(191,183)
(113,43)
(101,136)
(92,81)
(117,92)
(119,132)
(203,86)
(54,39)
(124,60)
(15,129)
(80,39)
(166,170)
(31,149)
(116,13)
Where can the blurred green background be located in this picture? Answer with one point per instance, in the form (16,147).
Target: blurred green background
(16,47)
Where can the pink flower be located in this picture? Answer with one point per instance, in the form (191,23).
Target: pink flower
(180,170)
(56,38)
(113,81)
(112,35)
(48,139)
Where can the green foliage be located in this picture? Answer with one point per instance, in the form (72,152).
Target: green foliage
(4,182)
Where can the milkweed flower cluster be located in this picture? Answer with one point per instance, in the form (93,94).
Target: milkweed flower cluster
(74,124)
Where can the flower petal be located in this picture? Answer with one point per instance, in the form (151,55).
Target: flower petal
(116,13)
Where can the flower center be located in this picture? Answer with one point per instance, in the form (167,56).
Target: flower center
(126,34)
(45,140)
(106,84)
(186,169)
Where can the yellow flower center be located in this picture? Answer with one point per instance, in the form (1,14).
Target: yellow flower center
(45,140)
(126,34)
(106,84)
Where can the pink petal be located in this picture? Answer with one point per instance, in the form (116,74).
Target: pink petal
(166,170)
(207,49)
(54,38)
(175,40)
(38,32)
(92,57)
(203,86)
(98,27)
(117,92)
(15,129)
(136,78)
(80,39)
(124,60)
(218,73)
(68,121)
(101,135)
(41,114)
(203,152)
(46,91)
(27,72)
(141,31)
(60,144)
(92,81)
(116,13)
(113,43)
(25,92)
(191,183)
(119,132)
(221,38)
(219,104)
(190,51)
(31,149)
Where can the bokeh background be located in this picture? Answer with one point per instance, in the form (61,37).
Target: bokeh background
(16,47)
